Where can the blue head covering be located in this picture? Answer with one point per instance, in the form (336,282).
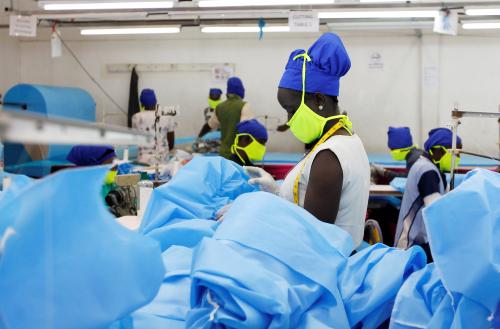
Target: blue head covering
(235,86)
(442,137)
(82,155)
(329,62)
(252,127)
(399,138)
(148,97)
(215,91)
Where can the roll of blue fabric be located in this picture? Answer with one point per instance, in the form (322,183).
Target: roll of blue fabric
(82,155)
(148,97)
(235,86)
(252,127)
(441,137)
(329,62)
(399,138)
(215,91)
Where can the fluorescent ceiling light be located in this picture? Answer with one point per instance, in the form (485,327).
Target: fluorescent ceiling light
(242,3)
(381,1)
(481,26)
(131,30)
(380,14)
(379,25)
(243,29)
(107,5)
(483,12)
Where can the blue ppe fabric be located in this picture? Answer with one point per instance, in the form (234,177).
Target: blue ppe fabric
(199,189)
(235,86)
(215,92)
(65,262)
(464,227)
(440,137)
(399,138)
(148,97)
(371,280)
(329,62)
(252,127)
(461,289)
(90,155)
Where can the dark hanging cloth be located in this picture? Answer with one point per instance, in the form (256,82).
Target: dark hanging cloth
(133,100)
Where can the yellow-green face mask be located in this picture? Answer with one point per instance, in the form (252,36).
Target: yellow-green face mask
(445,162)
(400,154)
(213,104)
(110,177)
(255,151)
(306,124)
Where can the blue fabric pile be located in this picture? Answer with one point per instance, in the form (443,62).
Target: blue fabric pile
(462,288)
(268,264)
(64,260)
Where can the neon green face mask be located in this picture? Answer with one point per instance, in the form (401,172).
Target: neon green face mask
(400,154)
(255,151)
(445,162)
(213,104)
(306,124)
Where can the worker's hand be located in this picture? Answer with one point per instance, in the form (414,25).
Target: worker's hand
(259,176)
(282,128)
(219,215)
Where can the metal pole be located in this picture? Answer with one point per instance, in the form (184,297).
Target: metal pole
(454,129)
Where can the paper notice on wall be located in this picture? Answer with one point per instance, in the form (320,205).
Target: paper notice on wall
(446,22)
(221,73)
(376,61)
(431,76)
(303,21)
(22,26)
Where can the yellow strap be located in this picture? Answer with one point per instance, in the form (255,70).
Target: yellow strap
(328,134)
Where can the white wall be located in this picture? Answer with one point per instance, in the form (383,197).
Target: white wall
(10,72)
(461,70)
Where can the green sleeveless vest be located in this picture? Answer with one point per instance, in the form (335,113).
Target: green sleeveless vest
(229,114)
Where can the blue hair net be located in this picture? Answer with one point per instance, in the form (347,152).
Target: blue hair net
(440,136)
(329,62)
(215,91)
(252,127)
(82,155)
(399,138)
(235,86)
(148,97)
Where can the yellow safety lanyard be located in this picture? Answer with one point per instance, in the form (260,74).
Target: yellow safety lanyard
(328,134)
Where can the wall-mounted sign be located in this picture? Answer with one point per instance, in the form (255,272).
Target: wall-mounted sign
(221,73)
(303,21)
(22,26)
(376,61)
(446,22)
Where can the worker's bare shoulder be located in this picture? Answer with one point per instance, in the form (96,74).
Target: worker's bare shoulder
(325,168)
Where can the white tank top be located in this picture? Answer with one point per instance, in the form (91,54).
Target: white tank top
(355,185)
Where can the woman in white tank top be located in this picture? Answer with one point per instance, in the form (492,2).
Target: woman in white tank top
(332,181)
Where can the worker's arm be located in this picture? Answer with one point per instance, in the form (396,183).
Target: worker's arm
(204,130)
(428,187)
(246,113)
(171,140)
(324,187)
(213,122)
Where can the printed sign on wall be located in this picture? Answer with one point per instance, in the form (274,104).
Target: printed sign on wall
(446,22)
(221,73)
(22,26)
(376,62)
(303,21)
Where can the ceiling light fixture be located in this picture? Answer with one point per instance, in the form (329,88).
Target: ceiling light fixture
(243,29)
(481,26)
(106,5)
(380,14)
(253,3)
(131,30)
(483,12)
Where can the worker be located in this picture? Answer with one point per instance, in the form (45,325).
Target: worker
(146,121)
(400,142)
(250,142)
(214,99)
(332,181)
(90,155)
(229,113)
(425,184)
